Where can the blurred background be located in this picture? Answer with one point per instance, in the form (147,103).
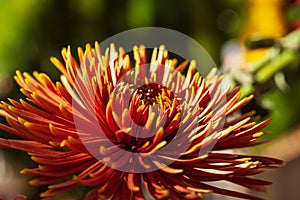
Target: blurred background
(254,42)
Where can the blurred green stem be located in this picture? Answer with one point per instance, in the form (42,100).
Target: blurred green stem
(278,63)
(283,53)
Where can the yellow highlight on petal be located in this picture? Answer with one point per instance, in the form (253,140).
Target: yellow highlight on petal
(34,182)
(116,117)
(54,60)
(24,171)
(259,134)
(63,143)
(106,159)
(28,125)
(75,178)
(52,128)
(102,150)
(141,107)
(167,169)
(34,95)
(177,117)
(21,120)
(11,108)
(61,106)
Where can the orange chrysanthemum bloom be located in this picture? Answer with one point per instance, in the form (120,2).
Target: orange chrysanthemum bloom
(128,132)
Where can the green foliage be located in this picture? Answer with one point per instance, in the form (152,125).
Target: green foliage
(18,24)
(284,109)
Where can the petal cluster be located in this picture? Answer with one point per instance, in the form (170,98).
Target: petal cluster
(131,130)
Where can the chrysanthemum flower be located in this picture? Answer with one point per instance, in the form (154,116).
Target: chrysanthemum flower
(128,132)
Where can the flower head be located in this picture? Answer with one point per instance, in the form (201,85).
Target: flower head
(127,132)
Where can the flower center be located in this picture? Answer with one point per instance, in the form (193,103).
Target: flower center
(152,99)
(143,117)
(152,94)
